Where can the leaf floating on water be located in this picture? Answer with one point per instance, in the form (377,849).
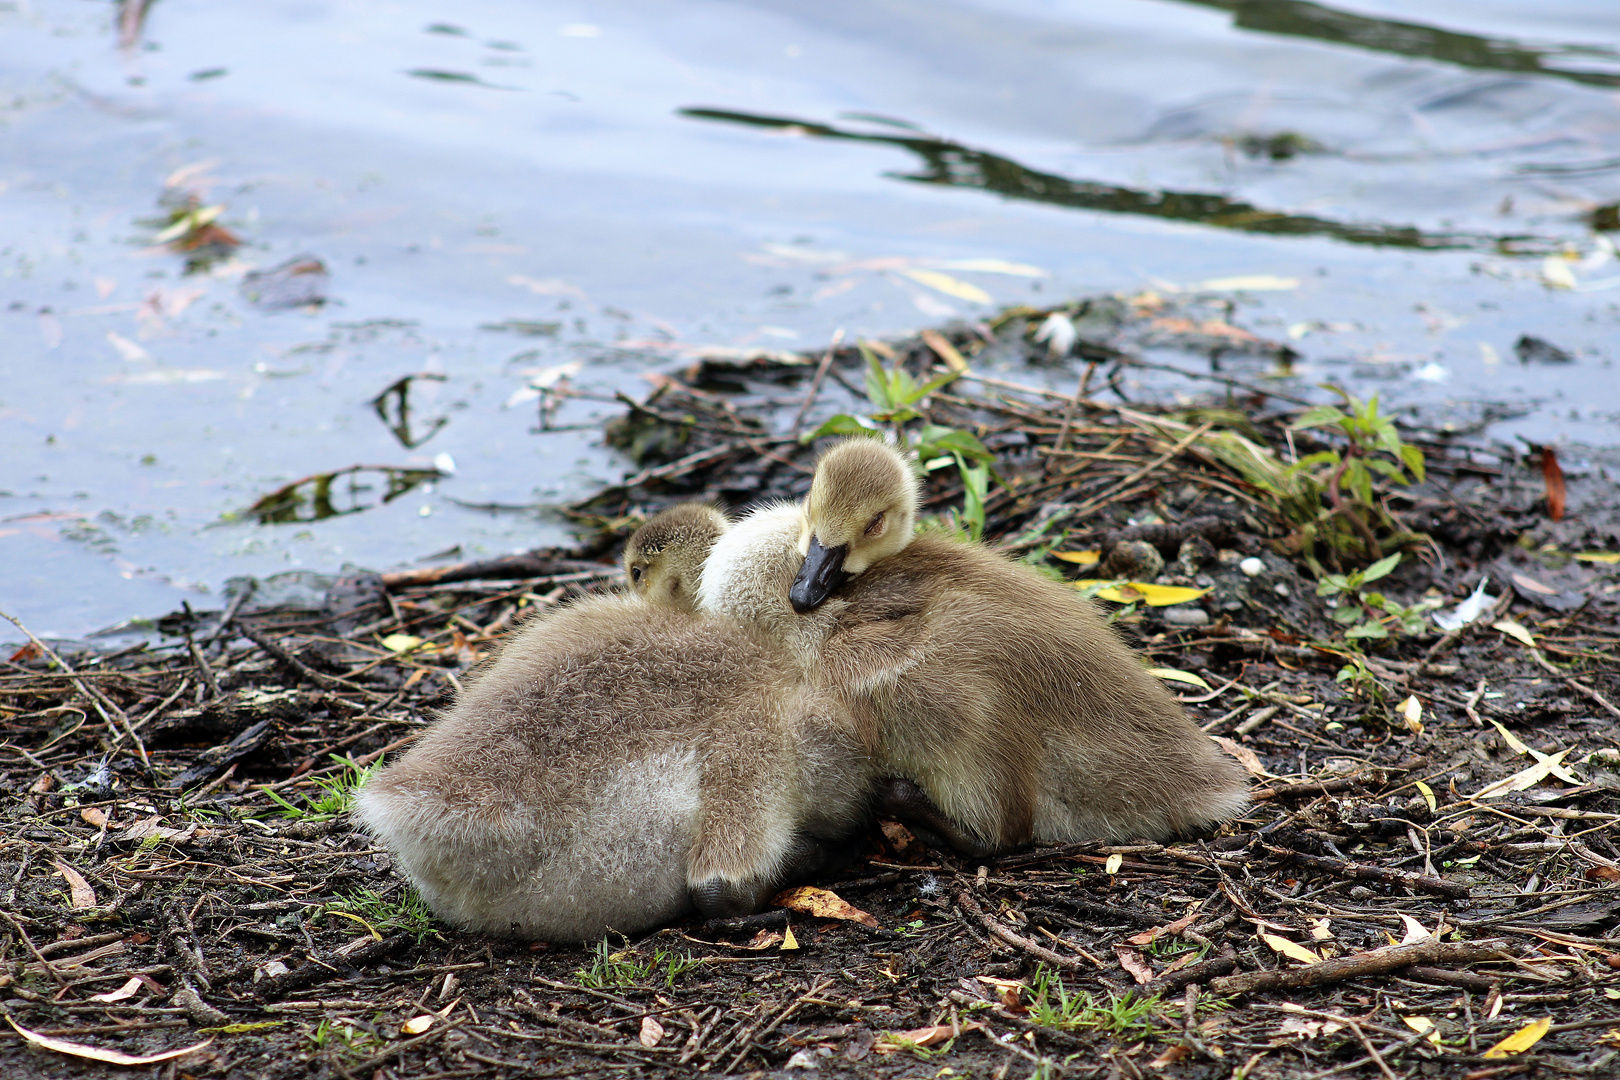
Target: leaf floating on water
(1248,283)
(950,286)
(1290,949)
(1521,1040)
(96,1053)
(1141,591)
(435,75)
(823,903)
(1175,675)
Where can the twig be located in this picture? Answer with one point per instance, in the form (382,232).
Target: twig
(815,383)
(90,690)
(1377,962)
(1360,872)
(1040,952)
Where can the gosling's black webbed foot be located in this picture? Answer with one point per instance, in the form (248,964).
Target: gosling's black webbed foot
(904,801)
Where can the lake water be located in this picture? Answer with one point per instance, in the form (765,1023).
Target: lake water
(500,191)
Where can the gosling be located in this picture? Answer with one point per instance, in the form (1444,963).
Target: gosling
(1008,699)
(620,763)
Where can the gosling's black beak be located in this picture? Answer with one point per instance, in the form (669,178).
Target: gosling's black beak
(822,572)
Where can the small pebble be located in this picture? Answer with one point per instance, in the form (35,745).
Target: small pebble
(1181,615)
(1252,566)
(1281,589)
(1134,560)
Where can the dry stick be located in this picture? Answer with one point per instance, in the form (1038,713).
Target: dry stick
(1377,962)
(89,690)
(1074,402)
(1592,693)
(201,661)
(1359,872)
(57,975)
(280,652)
(753,1040)
(821,374)
(1181,444)
(1040,952)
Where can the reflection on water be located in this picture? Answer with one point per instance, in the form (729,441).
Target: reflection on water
(1297,18)
(955,165)
(318,497)
(393,407)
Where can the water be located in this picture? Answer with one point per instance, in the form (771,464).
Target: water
(499,191)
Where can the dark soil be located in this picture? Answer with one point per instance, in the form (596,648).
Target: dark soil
(141,839)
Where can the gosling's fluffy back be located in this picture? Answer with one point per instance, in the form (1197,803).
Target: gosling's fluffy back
(1016,707)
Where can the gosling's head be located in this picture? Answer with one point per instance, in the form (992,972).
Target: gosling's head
(664,558)
(862,508)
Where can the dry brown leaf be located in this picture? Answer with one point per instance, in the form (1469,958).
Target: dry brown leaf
(1246,757)
(1553,476)
(1530,584)
(1415,931)
(652,1032)
(1171,1055)
(94,815)
(927,1036)
(945,350)
(822,903)
(83,895)
(1148,937)
(1134,962)
(96,1053)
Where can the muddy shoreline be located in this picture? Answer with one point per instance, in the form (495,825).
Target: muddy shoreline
(174,844)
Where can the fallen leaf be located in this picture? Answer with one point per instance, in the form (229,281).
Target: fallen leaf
(123,993)
(1412,713)
(1521,1040)
(1514,630)
(1148,937)
(96,1053)
(1171,1055)
(1530,584)
(1428,795)
(945,350)
(1114,862)
(402,643)
(762,940)
(94,816)
(417,1024)
(927,1036)
(1175,675)
(1082,558)
(1549,765)
(1423,1024)
(1511,739)
(1321,930)
(83,895)
(32,651)
(1612,558)
(949,286)
(1181,961)
(1135,963)
(1290,949)
(789,942)
(652,1032)
(822,903)
(1131,591)
(1602,873)
(1246,757)
(1553,477)
(350,915)
(1415,931)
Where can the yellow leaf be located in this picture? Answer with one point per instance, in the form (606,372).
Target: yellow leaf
(1514,630)
(1178,676)
(1249,283)
(1412,713)
(1511,739)
(1291,949)
(789,942)
(1130,591)
(1321,930)
(417,1024)
(1521,1040)
(402,643)
(823,903)
(1115,861)
(96,1053)
(1423,1024)
(949,286)
(1428,796)
(1083,558)
(1610,557)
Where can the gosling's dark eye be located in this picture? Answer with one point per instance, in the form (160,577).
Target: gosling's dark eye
(875,526)
(635,574)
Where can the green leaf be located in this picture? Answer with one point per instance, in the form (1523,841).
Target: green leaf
(1347,614)
(1389,470)
(1321,457)
(1381,568)
(877,380)
(1359,481)
(975,486)
(1413,457)
(842,424)
(1317,416)
(1331,584)
(931,385)
(1367,630)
